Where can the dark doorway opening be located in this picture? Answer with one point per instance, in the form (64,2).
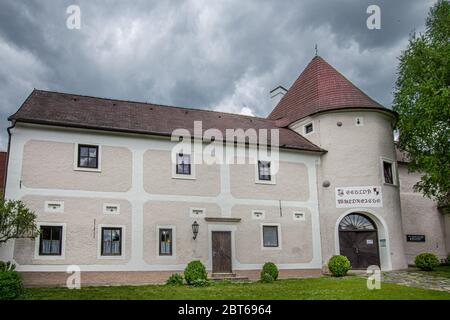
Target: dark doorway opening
(358,241)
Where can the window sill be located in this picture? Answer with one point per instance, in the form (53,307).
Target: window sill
(49,257)
(265,182)
(87,169)
(394,185)
(122,257)
(183,177)
(271,248)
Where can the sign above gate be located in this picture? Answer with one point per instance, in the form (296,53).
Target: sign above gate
(359,197)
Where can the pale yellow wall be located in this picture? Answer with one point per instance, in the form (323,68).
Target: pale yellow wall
(422,217)
(292,182)
(81,245)
(50,165)
(176,214)
(158,177)
(296,236)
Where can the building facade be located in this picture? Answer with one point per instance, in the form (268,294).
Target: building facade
(114,199)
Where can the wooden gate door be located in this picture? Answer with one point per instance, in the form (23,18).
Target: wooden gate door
(221,251)
(360,247)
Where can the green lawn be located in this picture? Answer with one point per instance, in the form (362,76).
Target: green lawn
(441,271)
(324,288)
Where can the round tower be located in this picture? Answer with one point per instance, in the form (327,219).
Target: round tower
(359,197)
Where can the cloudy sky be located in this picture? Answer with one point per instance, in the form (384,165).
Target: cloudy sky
(220,55)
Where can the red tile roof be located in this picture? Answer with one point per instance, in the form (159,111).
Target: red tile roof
(70,110)
(319,88)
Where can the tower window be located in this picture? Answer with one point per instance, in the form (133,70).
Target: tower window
(309,128)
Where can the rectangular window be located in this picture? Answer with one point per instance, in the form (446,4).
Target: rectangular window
(50,241)
(165,242)
(111,241)
(87,156)
(309,128)
(388,173)
(264,170)
(270,236)
(183,164)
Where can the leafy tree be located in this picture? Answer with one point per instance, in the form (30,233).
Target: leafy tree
(422,100)
(16,221)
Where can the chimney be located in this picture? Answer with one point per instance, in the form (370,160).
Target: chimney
(277,94)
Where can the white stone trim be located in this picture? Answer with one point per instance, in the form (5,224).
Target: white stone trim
(394,171)
(382,232)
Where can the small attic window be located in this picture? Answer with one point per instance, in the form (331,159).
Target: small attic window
(111,208)
(258,215)
(54,206)
(309,128)
(299,216)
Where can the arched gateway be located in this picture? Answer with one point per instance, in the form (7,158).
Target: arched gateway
(358,241)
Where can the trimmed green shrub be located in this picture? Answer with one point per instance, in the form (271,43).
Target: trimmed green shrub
(426,261)
(266,278)
(10,285)
(195,270)
(271,269)
(7,266)
(175,279)
(339,265)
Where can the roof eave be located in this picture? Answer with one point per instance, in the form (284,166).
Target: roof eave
(149,133)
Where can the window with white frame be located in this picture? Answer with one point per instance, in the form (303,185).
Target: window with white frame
(183,166)
(264,173)
(165,242)
(50,240)
(388,172)
(88,156)
(111,241)
(270,236)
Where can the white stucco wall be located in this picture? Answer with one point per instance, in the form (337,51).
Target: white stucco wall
(420,217)
(150,198)
(354,159)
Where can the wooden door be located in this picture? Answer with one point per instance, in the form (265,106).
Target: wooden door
(221,251)
(360,247)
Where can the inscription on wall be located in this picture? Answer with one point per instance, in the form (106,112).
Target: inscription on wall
(357,197)
(415,238)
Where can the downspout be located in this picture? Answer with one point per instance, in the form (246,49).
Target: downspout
(13,124)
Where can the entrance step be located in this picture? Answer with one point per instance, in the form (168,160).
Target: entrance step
(228,276)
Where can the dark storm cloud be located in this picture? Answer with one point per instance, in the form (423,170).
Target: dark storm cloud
(223,55)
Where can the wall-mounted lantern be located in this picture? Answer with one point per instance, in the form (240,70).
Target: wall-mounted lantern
(195,229)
